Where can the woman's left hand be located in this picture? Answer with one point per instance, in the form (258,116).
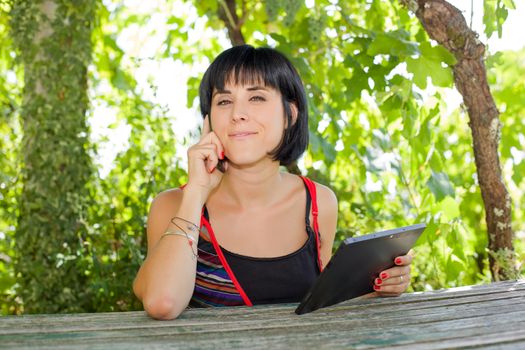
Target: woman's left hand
(394,281)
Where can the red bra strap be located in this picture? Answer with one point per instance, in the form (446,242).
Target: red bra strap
(313,195)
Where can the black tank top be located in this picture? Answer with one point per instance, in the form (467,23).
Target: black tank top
(283,279)
(226,279)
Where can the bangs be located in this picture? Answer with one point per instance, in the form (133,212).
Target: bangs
(251,67)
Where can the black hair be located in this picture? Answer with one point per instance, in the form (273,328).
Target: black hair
(248,65)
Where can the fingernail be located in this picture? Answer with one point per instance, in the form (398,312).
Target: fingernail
(384,275)
(379,281)
(212,170)
(398,261)
(377,288)
(222,155)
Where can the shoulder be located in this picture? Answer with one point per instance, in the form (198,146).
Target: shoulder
(162,208)
(167,198)
(326,198)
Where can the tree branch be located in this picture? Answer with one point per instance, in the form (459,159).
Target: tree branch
(228,14)
(446,24)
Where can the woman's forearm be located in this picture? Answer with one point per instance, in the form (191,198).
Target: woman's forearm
(166,279)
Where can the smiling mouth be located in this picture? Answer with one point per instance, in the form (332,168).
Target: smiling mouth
(242,134)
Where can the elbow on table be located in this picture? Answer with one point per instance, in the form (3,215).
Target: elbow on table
(162,308)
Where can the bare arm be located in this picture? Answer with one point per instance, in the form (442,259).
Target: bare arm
(166,279)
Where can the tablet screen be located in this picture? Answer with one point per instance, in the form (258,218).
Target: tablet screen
(357,262)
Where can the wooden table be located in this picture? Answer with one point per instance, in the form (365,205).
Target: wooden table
(487,316)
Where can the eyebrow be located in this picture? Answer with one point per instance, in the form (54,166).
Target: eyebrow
(221,92)
(251,88)
(255,88)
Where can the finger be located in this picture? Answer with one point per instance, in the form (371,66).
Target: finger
(205,127)
(212,159)
(396,289)
(394,280)
(387,295)
(395,271)
(403,260)
(218,144)
(212,139)
(205,152)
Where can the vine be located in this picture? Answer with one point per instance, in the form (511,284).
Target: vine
(53,39)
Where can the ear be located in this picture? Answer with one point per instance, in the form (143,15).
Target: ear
(295,112)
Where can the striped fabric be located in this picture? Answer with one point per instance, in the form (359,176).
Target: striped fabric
(213,285)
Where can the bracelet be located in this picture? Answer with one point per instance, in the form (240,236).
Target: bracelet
(190,225)
(181,233)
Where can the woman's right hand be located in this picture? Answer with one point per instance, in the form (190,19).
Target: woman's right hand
(203,175)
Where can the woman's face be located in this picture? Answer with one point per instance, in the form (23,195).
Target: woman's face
(249,121)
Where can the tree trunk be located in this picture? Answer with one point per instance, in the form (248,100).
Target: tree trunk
(53,39)
(445,24)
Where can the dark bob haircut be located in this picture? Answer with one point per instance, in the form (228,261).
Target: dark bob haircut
(246,65)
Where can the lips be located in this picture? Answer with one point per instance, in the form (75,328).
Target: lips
(241,134)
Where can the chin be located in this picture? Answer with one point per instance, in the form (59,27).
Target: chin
(248,161)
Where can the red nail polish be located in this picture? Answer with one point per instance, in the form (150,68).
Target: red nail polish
(398,261)
(384,275)
(222,155)
(377,288)
(379,281)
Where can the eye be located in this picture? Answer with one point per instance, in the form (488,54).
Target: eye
(223,102)
(257,98)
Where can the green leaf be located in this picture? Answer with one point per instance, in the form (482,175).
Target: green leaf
(450,208)
(518,173)
(391,44)
(440,185)
(454,267)
(437,53)
(423,68)
(193,90)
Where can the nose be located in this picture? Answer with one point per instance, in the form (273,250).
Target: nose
(239,112)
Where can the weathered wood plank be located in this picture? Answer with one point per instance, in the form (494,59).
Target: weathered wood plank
(289,319)
(306,327)
(139,320)
(320,335)
(475,316)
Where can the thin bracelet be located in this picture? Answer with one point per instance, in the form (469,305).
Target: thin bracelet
(193,227)
(180,228)
(181,233)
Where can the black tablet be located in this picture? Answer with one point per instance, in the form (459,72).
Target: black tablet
(357,262)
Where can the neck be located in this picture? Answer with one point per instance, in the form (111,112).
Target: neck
(251,187)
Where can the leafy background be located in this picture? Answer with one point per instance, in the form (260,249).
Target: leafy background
(385,134)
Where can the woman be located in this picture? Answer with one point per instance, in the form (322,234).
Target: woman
(241,232)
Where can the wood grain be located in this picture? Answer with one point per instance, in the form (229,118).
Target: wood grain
(488,316)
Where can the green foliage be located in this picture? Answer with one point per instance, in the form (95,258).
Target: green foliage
(10,184)
(117,241)
(53,42)
(495,13)
(382,133)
